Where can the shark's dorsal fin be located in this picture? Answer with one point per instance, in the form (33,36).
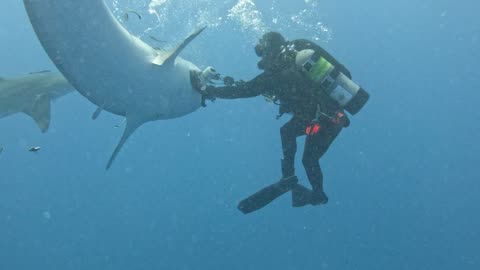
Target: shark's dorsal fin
(40,112)
(169,57)
(132,124)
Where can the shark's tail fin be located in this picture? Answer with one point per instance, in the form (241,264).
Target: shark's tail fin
(40,112)
(132,124)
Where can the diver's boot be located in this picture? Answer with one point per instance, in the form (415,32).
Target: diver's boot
(315,177)
(318,197)
(301,196)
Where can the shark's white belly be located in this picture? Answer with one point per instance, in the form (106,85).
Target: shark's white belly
(109,66)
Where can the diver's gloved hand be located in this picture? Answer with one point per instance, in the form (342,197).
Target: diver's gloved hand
(204,90)
(200,87)
(207,93)
(228,81)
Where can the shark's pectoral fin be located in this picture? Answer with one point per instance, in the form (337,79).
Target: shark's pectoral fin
(40,112)
(169,57)
(132,124)
(97,113)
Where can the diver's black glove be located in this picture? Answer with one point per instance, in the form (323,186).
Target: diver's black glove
(228,81)
(207,93)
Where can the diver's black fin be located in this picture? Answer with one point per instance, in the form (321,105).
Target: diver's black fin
(301,196)
(267,194)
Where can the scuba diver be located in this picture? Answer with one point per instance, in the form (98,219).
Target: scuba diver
(308,83)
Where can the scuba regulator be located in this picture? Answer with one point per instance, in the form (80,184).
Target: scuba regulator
(330,79)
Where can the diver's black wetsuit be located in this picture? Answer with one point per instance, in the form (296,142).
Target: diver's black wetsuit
(300,97)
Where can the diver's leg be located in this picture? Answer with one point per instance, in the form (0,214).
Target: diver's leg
(266,195)
(315,147)
(288,134)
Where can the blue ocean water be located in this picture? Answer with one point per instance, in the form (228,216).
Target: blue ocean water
(403,188)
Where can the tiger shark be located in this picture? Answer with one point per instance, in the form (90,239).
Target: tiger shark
(32,94)
(113,69)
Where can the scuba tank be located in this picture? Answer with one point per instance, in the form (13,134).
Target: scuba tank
(330,79)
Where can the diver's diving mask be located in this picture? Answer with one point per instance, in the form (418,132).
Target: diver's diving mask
(269,47)
(264,49)
(259,50)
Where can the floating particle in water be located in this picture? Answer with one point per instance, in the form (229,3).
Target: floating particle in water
(156,39)
(34,149)
(126,16)
(47,215)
